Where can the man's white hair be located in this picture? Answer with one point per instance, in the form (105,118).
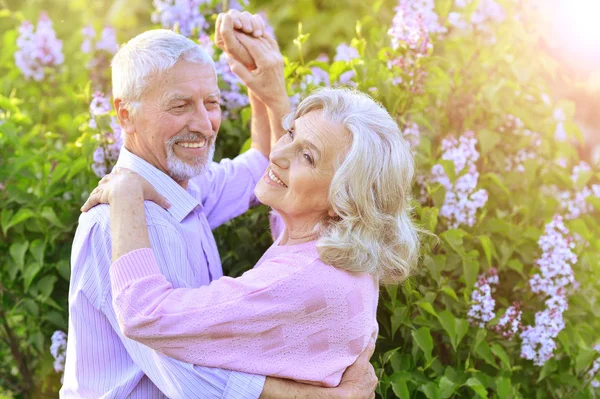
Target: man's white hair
(371,190)
(147,55)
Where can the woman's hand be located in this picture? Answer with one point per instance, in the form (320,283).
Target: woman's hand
(122,183)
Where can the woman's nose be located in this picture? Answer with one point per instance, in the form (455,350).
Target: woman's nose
(280,157)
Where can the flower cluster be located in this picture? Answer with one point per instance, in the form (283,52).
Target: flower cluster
(462,200)
(553,282)
(515,127)
(106,42)
(573,203)
(58,349)
(510,323)
(110,141)
(482,303)
(595,369)
(186,15)
(411,28)
(38,48)
(487,11)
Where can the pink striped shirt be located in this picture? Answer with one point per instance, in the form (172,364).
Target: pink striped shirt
(101,362)
(292,316)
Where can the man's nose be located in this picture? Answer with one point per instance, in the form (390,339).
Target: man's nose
(200,122)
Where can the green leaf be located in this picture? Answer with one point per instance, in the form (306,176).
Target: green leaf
(484,352)
(37,249)
(399,316)
(477,386)
(246,146)
(46,285)
(426,306)
(431,390)
(488,139)
(503,387)
(446,387)
(462,327)
(400,388)
(470,270)
(449,291)
(585,359)
(423,338)
(49,214)
(448,323)
(21,215)
(17,252)
(501,354)
(496,180)
(488,248)
(30,272)
(547,369)
(5,217)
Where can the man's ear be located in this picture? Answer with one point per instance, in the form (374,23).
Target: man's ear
(124,116)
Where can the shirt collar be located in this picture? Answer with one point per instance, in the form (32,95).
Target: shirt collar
(182,202)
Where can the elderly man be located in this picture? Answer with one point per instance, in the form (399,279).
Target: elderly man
(167,101)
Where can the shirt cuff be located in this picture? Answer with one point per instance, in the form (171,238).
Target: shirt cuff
(257,164)
(244,386)
(132,267)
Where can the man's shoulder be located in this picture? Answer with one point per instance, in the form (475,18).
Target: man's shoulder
(99,216)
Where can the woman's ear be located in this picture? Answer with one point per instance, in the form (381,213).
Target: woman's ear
(124,116)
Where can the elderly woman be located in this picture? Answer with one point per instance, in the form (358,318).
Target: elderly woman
(340,179)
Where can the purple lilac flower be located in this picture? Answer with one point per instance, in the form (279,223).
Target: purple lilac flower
(574,202)
(38,50)
(207,44)
(552,282)
(595,369)
(107,153)
(89,34)
(510,323)
(487,11)
(412,134)
(185,14)
(58,349)
(482,303)
(343,52)
(108,40)
(462,200)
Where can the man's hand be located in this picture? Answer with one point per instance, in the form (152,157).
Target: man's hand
(359,381)
(243,22)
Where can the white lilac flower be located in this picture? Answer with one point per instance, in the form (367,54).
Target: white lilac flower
(58,350)
(553,282)
(482,303)
(185,14)
(38,49)
(573,203)
(462,199)
(510,323)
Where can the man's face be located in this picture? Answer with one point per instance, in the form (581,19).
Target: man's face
(176,125)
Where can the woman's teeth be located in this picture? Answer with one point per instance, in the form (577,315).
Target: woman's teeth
(275,179)
(192,144)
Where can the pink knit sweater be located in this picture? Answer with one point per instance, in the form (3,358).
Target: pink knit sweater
(292,316)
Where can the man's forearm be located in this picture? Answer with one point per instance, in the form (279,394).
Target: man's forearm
(260,129)
(276,388)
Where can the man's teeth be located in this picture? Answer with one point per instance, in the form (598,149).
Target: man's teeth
(193,144)
(275,179)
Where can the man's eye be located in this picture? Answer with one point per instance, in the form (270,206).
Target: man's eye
(180,106)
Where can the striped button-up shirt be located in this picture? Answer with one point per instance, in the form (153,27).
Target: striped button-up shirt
(101,362)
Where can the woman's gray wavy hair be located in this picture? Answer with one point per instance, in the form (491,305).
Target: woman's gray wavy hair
(370,191)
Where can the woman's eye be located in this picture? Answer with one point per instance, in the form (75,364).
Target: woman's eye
(308,158)
(290,133)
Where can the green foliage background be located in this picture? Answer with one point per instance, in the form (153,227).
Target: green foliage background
(426,348)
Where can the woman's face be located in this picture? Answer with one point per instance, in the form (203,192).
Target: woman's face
(302,165)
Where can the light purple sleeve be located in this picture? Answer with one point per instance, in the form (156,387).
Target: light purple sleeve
(227,187)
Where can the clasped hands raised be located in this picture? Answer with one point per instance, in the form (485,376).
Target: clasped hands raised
(252,54)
